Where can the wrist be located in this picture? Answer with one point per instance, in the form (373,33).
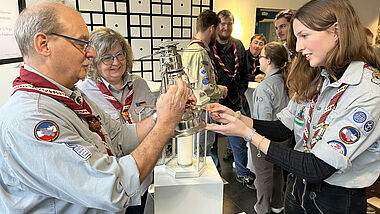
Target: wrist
(154,117)
(248,138)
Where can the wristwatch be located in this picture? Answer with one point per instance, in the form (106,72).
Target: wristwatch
(155,117)
(249,137)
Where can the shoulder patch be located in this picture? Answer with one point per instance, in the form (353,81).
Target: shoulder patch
(362,120)
(81,151)
(203,72)
(46,130)
(338,146)
(376,78)
(205,81)
(300,117)
(349,134)
(205,63)
(143,103)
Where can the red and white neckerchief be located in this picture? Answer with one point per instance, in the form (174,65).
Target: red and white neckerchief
(29,81)
(254,67)
(200,42)
(223,65)
(321,123)
(127,104)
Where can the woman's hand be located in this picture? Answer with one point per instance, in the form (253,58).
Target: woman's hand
(231,126)
(215,109)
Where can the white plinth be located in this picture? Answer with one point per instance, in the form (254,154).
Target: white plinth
(199,195)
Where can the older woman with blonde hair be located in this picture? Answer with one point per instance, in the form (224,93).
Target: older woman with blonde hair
(119,93)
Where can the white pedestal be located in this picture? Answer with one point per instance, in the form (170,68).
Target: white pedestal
(199,195)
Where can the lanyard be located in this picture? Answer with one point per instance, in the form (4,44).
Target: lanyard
(127,104)
(29,81)
(223,65)
(321,123)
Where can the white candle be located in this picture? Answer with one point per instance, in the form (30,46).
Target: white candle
(185,150)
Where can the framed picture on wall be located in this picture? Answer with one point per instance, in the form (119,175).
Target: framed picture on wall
(9,12)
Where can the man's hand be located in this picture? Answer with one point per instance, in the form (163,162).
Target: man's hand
(171,106)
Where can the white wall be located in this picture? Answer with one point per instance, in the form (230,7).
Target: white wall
(368,11)
(8,73)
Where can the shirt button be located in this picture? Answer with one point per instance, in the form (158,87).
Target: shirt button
(314,127)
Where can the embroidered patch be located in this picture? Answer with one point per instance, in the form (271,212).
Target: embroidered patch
(376,78)
(202,72)
(300,117)
(143,103)
(338,146)
(205,81)
(260,99)
(375,147)
(363,121)
(46,130)
(359,117)
(205,63)
(349,134)
(81,151)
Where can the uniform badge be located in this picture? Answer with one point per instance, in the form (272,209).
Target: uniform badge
(338,146)
(362,120)
(203,72)
(81,151)
(376,78)
(349,134)
(143,103)
(375,147)
(205,63)
(359,117)
(260,99)
(205,81)
(300,117)
(46,130)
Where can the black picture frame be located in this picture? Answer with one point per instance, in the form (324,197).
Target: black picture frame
(21,6)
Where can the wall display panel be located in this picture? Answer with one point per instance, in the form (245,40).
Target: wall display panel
(145,24)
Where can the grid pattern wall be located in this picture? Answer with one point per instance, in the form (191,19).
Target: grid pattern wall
(145,24)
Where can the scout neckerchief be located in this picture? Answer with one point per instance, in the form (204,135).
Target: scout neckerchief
(254,67)
(321,123)
(200,42)
(128,101)
(29,81)
(223,65)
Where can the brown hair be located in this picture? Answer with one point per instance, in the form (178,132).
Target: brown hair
(319,15)
(259,37)
(206,19)
(225,14)
(287,14)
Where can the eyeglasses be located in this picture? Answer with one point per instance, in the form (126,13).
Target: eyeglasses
(108,60)
(261,56)
(85,45)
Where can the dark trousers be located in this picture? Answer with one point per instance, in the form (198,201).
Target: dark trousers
(304,197)
(138,209)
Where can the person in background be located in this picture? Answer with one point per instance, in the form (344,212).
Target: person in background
(201,71)
(114,89)
(334,81)
(253,52)
(230,61)
(269,98)
(282,22)
(59,151)
(255,74)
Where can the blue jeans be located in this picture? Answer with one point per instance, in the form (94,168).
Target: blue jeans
(239,150)
(245,106)
(322,198)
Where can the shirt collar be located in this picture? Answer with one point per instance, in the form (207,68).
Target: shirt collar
(351,76)
(271,73)
(67,91)
(127,82)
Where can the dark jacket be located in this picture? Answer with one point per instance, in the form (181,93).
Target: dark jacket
(253,66)
(237,85)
